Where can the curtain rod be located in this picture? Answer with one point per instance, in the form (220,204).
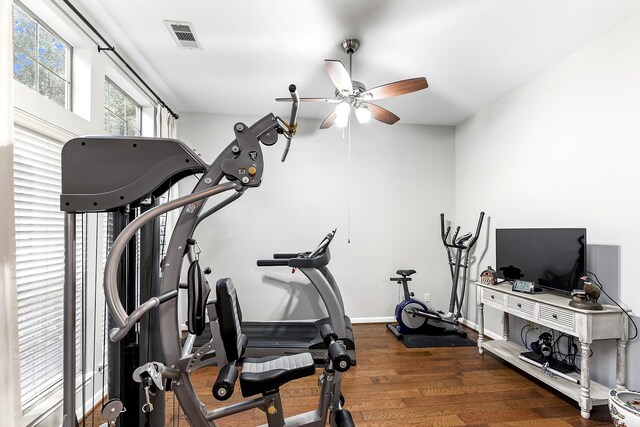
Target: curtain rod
(112,49)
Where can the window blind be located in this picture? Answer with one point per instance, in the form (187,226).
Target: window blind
(40,264)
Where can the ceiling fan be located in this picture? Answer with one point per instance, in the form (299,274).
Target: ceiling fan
(353,95)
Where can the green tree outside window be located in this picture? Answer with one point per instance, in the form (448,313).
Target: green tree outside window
(122,115)
(41,58)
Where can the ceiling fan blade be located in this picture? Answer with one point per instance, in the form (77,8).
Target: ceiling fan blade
(327,100)
(396,88)
(382,114)
(328,122)
(339,76)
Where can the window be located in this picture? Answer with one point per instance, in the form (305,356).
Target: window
(122,115)
(41,59)
(40,265)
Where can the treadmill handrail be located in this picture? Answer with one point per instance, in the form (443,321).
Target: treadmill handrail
(311,262)
(272,262)
(289,255)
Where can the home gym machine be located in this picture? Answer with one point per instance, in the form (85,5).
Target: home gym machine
(128,175)
(412,315)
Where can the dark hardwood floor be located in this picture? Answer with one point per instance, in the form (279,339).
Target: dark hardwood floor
(396,386)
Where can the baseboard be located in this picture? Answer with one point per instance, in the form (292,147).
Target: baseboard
(475,327)
(387,319)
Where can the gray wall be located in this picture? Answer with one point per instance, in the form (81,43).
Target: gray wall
(562,151)
(401,179)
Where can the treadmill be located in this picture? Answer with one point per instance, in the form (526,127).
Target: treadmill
(279,338)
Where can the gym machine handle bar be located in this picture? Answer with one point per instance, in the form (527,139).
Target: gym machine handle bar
(293,119)
(445,234)
(337,352)
(124,321)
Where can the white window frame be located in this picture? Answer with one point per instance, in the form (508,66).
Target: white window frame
(107,110)
(69,54)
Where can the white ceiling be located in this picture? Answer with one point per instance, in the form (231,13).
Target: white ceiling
(471,51)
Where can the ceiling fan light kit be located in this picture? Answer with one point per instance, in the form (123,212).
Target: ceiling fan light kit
(363,114)
(352,95)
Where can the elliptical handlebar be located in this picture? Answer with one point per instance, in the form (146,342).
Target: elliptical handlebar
(475,237)
(458,242)
(444,234)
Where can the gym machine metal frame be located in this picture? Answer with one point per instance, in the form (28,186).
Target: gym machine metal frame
(124,171)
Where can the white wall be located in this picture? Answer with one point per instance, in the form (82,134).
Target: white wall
(401,179)
(562,151)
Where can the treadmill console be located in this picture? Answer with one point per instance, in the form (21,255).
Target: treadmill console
(324,244)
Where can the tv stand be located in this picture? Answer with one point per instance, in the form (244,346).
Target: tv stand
(553,311)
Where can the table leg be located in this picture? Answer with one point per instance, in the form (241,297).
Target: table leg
(621,365)
(585,381)
(480,327)
(505,326)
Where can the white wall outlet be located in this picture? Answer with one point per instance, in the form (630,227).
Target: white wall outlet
(427,297)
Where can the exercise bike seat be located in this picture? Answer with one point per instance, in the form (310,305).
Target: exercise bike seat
(405,273)
(261,375)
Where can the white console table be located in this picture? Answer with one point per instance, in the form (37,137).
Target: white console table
(554,312)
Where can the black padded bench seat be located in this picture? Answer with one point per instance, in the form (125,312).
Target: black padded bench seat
(269,373)
(405,272)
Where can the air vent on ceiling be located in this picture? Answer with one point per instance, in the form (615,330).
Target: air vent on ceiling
(183,34)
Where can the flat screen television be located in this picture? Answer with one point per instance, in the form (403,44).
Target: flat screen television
(553,258)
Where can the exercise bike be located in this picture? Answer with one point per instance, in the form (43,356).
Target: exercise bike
(412,315)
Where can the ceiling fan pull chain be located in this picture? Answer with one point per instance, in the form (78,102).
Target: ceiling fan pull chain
(349,184)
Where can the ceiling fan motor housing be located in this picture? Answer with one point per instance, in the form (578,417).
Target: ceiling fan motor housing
(350,46)
(358,88)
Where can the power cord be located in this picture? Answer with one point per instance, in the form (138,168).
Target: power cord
(525,338)
(635,335)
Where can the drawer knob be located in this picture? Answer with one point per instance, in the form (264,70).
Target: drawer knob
(519,305)
(493,297)
(555,316)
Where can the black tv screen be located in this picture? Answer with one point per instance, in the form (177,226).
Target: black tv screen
(553,258)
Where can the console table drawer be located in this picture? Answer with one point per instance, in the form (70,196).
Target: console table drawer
(520,305)
(563,319)
(492,297)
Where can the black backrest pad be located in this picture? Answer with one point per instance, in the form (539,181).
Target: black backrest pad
(229,319)
(198,292)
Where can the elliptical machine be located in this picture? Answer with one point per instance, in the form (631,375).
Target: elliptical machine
(412,315)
